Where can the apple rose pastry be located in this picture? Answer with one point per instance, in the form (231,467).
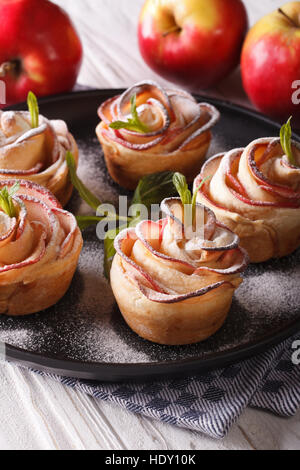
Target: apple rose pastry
(174,283)
(148,130)
(256,192)
(39,248)
(36,152)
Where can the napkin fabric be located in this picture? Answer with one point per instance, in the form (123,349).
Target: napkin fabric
(212,402)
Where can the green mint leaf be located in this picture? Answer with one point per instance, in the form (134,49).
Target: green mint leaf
(15,188)
(85,221)
(119,125)
(194,199)
(109,253)
(33,108)
(6,200)
(109,249)
(132,124)
(286,141)
(182,188)
(129,125)
(186,197)
(135,117)
(152,189)
(134,113)
(83,191)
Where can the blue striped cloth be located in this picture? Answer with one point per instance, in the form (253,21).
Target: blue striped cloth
(212,402)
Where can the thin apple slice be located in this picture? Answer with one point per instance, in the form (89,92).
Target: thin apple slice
(272,149)
(148,86)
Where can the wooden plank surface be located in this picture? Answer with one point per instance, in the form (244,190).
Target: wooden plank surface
(38,413)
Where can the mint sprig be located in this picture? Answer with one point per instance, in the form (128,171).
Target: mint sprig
(132,124)
(83,191)
(194,199)
(6,200)
(33,108)
(286,141)
(187,198)
(182,188)
(151,189)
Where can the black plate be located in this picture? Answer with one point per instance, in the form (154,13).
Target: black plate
(85,336)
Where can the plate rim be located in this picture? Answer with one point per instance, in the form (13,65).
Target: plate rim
(113,371)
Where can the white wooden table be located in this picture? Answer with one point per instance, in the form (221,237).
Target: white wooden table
(38,413)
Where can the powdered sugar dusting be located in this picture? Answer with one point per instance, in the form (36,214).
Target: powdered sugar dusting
(86,324)
(267,292)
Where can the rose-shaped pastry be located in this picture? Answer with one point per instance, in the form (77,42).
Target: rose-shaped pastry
(154,130)
(36,154)
(39,250)
(256,192)
(173,285)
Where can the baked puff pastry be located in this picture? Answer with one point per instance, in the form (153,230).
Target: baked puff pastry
(39,250)
(178,134)
(174,286)
(256,192)
(36,154)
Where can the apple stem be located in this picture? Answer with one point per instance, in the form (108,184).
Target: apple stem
(175,29)
(280,10)
(7,67)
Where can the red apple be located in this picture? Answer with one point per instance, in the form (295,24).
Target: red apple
(192,42)
(39,49)
(271,62)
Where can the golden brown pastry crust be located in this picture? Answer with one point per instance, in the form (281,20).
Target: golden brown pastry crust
(179,138)
(256,192)
(36,154)
(39,251)
(171,290)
